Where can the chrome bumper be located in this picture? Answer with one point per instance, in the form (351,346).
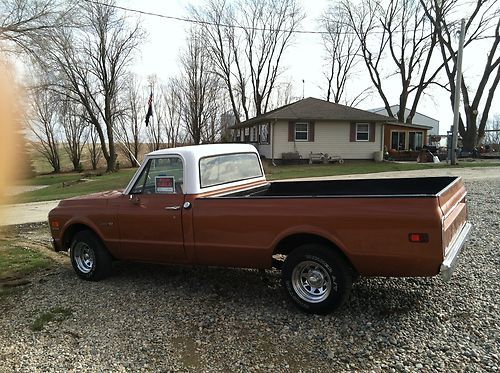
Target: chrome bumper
(450,261)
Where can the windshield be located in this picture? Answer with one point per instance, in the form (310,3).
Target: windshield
(228,168)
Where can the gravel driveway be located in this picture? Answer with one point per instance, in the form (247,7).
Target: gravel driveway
(153,318)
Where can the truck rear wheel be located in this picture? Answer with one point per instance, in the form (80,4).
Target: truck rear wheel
(317,278)
(90,259)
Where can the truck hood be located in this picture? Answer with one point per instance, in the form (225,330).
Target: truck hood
(95,199)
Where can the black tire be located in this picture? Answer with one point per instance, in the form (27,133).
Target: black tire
(329,270)
(90,259)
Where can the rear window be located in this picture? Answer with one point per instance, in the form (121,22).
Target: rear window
(228,168)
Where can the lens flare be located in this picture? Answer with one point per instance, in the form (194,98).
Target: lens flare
(10,124)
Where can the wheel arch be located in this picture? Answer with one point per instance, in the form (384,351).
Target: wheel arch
(287,244)
(72,229)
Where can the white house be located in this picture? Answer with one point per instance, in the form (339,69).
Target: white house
(314,125)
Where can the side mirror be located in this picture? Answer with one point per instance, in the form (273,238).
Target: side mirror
(134,198)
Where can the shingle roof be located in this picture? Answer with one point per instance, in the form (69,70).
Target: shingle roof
(315,109)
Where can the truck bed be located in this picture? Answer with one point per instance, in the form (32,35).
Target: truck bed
(403,187)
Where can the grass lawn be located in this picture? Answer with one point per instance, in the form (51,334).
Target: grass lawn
(118,180)
(19,256)
(17,261)
(74,186)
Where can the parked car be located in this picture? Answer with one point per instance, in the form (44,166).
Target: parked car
(212,205)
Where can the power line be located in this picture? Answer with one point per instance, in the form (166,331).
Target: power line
(201,22)
(209,23)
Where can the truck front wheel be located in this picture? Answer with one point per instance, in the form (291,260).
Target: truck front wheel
(317,278)
(90,259)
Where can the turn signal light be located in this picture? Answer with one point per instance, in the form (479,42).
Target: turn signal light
(54,224)
(418,237)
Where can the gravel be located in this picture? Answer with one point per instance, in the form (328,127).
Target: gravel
(169,318)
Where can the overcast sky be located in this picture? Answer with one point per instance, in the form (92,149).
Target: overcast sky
(303,60)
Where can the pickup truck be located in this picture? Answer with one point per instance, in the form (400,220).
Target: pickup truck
(212,205)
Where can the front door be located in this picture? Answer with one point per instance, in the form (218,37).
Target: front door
(150,217)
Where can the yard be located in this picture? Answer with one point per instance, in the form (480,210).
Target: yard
(67,185)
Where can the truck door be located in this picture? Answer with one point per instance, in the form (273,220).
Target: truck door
(150,217)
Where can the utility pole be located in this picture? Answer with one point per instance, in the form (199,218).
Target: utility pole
(303,87)
(456,104)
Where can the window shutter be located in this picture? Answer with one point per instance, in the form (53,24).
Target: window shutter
(353,132)
(291,131)
(311,132)
(372,132)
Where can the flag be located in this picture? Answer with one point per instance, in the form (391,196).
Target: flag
(149,114)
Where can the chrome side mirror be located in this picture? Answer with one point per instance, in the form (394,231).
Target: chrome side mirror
(133,198)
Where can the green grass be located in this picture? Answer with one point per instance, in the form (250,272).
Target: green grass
(58,314)
(356,167)
(18,261)
(57,190)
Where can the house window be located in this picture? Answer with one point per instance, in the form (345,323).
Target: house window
(247,135)
(362,131)
(398,140)
(253,134)
(237,135)
(301,131)
(264,133)
(416,140)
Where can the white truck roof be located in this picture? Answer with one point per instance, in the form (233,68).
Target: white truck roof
(191,156)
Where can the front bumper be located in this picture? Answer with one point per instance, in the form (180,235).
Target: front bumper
(451,258)
(56,245)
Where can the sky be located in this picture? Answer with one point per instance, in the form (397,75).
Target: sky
(303,60)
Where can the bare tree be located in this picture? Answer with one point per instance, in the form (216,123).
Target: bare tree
(199,89)
(342,48)
(92,62)
(248,57)
(94,148)
(399,32)
(283,95)
(24,22)
(131,124)
(43,124)
(75,130)
(173,116)
(483,25)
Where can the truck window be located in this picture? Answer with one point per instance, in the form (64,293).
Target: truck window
(228,168)
(160,176)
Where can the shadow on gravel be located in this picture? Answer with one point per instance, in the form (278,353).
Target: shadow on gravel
(375,298)
(392,297)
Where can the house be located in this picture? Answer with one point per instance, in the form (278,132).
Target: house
(418,119)
(314,125)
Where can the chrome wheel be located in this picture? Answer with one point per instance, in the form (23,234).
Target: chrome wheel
(311,281)
(84,257)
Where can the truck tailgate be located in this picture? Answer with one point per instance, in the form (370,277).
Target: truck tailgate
(452,201)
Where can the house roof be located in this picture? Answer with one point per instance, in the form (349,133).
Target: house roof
(395,108)
(419,126)
(315,109)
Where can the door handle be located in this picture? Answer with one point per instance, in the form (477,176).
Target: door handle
(173,208)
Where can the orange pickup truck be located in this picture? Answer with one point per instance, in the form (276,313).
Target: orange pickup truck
(212,205)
